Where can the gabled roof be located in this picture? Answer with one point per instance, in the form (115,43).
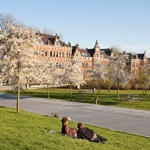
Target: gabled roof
(91,51)
(107,51)
(132,56)
(136,56)
(84,53)
(141,56)
(49,39)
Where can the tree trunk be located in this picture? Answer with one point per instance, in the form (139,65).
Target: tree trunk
(118,93)
(99,87)
(118,89)
(108,88)
(18,85)
(48,90)
(18,97)
(70,91)
(145,91)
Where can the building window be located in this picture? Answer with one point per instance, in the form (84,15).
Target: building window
(62,54)
(45,53)
(51,54)
(57,64)
(56,54)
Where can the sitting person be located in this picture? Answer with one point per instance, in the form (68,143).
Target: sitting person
(66,129)
(88,134)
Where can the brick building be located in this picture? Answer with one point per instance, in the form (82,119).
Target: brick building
(54,48)
(59,51)
(136,61)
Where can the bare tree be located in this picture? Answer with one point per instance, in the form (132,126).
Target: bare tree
(4,19)
(18,56)
(52,32)
(60,35)
(116,50)
(49,31)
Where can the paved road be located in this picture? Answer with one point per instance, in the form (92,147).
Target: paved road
(120,119)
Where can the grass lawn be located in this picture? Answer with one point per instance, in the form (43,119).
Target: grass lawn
(105,98)
(29,131)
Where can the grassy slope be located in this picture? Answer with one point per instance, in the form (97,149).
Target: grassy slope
(28,131)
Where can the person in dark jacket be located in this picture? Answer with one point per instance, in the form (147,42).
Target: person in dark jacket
(88,134)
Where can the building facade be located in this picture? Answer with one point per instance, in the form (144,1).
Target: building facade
(54,48)
(59,51)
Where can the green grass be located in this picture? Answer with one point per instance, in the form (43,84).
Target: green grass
(28,131)
(105,98)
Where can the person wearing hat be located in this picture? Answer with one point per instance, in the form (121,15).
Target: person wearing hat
(66,129)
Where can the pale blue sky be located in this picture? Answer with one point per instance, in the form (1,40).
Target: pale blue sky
(122,23)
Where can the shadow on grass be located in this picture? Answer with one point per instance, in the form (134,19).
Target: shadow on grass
(109,103)
(2,107)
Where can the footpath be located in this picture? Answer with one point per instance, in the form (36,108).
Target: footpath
(114,118)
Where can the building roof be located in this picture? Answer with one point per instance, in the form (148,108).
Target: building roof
(136,56)
(132,56)
(84,53)
(73,49)
(141,56)
(49,39)
(107,51)
(91,51)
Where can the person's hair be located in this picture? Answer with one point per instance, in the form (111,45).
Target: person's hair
(80,125)
(64,120)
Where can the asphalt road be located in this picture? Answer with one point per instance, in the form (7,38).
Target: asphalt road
(120,119)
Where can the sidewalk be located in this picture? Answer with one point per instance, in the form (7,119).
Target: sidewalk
(120,119)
